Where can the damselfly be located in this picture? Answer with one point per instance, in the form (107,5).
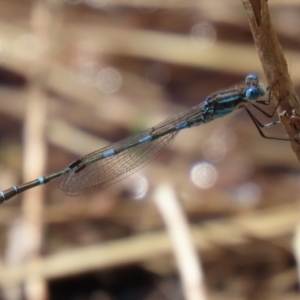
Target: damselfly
(111,164)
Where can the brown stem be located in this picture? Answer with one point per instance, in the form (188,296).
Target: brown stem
(275,66)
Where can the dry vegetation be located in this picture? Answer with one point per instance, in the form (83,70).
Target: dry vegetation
(78,75)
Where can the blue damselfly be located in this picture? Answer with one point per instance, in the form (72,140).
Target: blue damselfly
(111,164)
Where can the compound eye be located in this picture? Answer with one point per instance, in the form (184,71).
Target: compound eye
(251,79)
(252,93)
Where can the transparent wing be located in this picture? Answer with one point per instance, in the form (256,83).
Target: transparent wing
(107,171)
(110,170)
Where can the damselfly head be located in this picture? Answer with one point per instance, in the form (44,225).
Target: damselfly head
(254,90)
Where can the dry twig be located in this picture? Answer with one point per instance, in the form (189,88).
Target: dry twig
(274,65)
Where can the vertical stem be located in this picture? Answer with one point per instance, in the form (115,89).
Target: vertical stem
(274,65)
(44,25)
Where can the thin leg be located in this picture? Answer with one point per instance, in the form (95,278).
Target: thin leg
(267,115)
(264,112)
(259,126)
(267,102)
(270,116)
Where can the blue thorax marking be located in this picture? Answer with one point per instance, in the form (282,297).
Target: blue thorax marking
(229,99)
(219,113)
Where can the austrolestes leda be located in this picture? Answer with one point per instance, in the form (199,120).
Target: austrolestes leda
(113,163)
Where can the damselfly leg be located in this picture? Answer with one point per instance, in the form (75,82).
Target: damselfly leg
(259,125)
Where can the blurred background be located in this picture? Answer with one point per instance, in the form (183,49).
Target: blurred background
(77,75)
